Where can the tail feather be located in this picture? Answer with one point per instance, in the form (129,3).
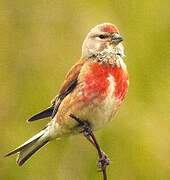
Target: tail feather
(27,149)
(27,153)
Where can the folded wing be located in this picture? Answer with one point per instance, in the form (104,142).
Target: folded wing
(67,87)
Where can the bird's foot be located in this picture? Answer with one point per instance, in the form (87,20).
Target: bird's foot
(84,124)
(103,162)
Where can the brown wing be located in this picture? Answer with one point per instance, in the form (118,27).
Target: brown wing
(67,87)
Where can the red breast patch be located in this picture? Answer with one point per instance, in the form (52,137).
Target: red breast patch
(97,80)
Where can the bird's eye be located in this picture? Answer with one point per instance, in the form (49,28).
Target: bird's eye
(102,36)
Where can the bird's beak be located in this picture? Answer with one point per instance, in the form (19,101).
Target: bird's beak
(116,38)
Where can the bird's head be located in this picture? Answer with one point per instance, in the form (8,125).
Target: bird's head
(101,37)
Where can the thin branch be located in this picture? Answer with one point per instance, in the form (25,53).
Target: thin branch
(103,160)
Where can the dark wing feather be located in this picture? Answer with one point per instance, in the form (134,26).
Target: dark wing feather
(71,87)
(67,87)
(43,114)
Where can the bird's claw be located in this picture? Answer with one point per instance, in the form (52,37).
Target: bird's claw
(103,162)
(86,129)
(84,124)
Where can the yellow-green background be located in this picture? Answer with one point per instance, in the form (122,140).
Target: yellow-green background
(39,42)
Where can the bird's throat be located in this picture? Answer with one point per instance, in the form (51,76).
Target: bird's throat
(109,55)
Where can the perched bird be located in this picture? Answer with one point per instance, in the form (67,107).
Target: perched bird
(93,90)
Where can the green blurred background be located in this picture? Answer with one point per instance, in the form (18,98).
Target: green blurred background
(39,42)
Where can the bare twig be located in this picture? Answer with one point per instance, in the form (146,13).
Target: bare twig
(103,159)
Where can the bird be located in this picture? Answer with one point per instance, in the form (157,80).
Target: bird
(93,90)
